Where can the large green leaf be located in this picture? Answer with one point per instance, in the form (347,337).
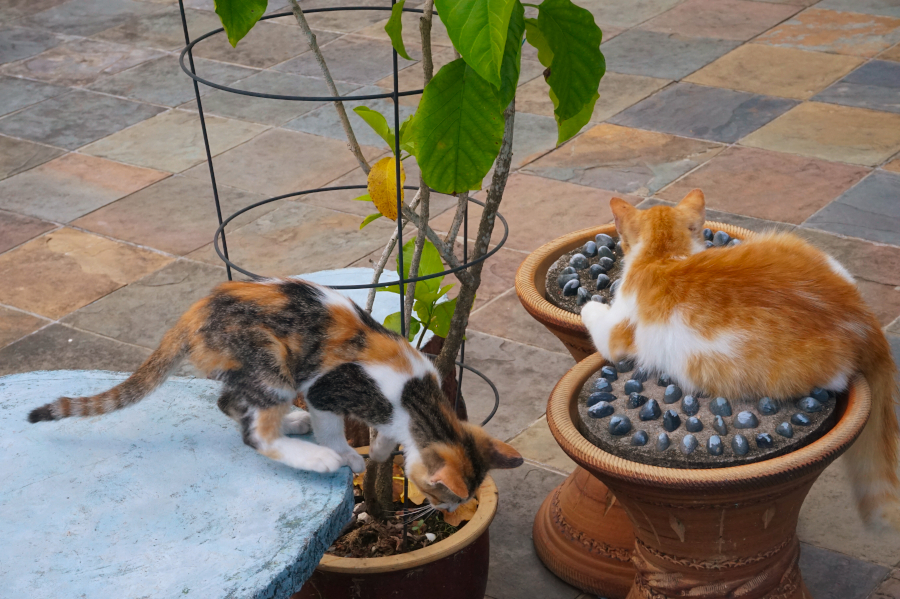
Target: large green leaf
(407,135)
(568,128)
(536,38)
(577,64)
(392,323)
(394,29)
(429,264)
(369,219)
(478,29)
(239,16)
(512,55)
(441,317)
(377,122)
(458,129)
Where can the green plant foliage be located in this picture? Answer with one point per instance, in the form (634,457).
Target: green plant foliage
(369,219)
(407,135)
(577,64)
(512,55)
(478,30)
(440,317)
(458,129)
(394,29)
(363,198)
(536,38)
(429,264)
(377,122)
(239,16)
(567,129)
(392,323)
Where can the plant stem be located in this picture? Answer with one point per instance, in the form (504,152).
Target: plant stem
(447,358)
(385,256)
(338,105)
(461,200)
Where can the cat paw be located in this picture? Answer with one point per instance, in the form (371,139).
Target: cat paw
(296,423)
(323,460)
(592,312)
(356,462)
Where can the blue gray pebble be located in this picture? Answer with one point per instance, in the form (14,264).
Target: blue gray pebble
(601,409)
(582,296)
(595,271)
(664,380)
(609,373)
(810,405)
(745,420)
(689,444)
(625,365)
(662,442)
(599,396)
(765,441)
(635,400)
(720,407)
(562,279)
(714,445)
(619,425)
(721,238)
(615,286)
(800,419)
(785,430)
(602,282)
(598,298)
(719,425)
(740,445)
(820,394)
(640,438)
(707,234)
(605,263)
(690,405)
(633,386)
(672,394)
(693,425)
(767,406)
(605,252)
(571,288)
(650,411)
(602,384)
(578,262)
(568,270)
(605,240)
(590,249)
(671,420)
(640,374)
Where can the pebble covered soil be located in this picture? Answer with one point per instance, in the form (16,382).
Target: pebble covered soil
(645,417)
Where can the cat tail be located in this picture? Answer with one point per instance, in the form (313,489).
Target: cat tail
(150,375)
(873,458)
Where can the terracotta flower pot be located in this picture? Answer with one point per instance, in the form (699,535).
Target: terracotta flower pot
(454,568)
(710,533)
(580,532)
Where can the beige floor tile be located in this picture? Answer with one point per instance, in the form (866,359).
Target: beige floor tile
(799,74)
(832,132)
(893,166)
(14,325)
(537,444)
(832,31)
(411,36)
(67,269)
(722,19)
(173,141)
(506,318)
(891,54)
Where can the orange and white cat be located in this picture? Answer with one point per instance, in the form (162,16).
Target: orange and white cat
(773,316)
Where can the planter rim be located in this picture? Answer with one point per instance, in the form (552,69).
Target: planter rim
(817,454)
(532,296)
(487,508)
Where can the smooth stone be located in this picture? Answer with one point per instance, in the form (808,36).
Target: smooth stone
(578,262)
(707,234)
(602,281)
(810,405)
(582,297)
(640,438)
(689,444)
(650,411)
(785,430)
(693,425)
(714,445)
(721,238)
(767,406)
(605,263)
(619,250)
(632,385)
(609,373)
(819,394)
(740,445)
(664,380)
(605,252)
(568,270)
(619,425)
(571,287)
(625,365)
(595,271)
(598,298)
(671,420)
(605,240)
(708,244)
(720,407)
(615,286)
(672,394)
(765,441)
(635,400)
(563,279)
(590,249)
(640,374)
(734,242)
(800,420)
(662,442)
(602,384)
(601,409)
(745,420)
(719,425)
(599,396)
(690,405)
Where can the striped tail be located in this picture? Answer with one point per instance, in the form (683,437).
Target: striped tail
(873,458)
(151,374)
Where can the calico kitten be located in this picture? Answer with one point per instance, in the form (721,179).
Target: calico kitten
(268,341)
(772,316)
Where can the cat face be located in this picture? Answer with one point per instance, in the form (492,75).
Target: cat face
(450,473)
(669,230)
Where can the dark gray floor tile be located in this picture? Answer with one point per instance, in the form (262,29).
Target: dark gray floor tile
(87,17)
(884,8)
(17,155)
(352,59)
(163,31)
(75,119)
(17,43)
(704,112)
(748,222)
(831,575)
(16,93)
(869,210)
(668,56)
(16,229)
(141,313)
(162,81)
(875,85)
(11,10)
(267,44)
(894,340)
(516,572)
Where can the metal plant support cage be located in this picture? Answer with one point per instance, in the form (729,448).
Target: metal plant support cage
(222,250)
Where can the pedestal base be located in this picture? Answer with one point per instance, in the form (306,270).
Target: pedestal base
(583,535)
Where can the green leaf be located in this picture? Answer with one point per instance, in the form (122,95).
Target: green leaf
(536,38)
(407,136)
(392,323)
(369,219)
(512,55)
(363,198)
(478,29)
(459,127)
(445,289)
(377,122)
(577,64)
(239,16)
(567,129)
(394,29)
(423,310)
(441,317)
(429,264)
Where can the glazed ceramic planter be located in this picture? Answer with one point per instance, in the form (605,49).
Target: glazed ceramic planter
(711,533)
(580,532)
(454,568)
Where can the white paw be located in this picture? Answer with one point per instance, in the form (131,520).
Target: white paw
(593,312)
(322,459)
(296,422)
(356,462)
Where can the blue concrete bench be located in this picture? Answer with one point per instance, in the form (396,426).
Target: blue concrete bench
(160,500)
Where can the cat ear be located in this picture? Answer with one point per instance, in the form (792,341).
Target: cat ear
(502,455)
(621,211)
(451,477)
(694,206)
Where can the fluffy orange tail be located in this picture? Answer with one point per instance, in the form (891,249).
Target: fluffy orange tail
(873,458)
(151,374)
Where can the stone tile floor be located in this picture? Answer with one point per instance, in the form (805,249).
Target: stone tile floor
(786,112)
